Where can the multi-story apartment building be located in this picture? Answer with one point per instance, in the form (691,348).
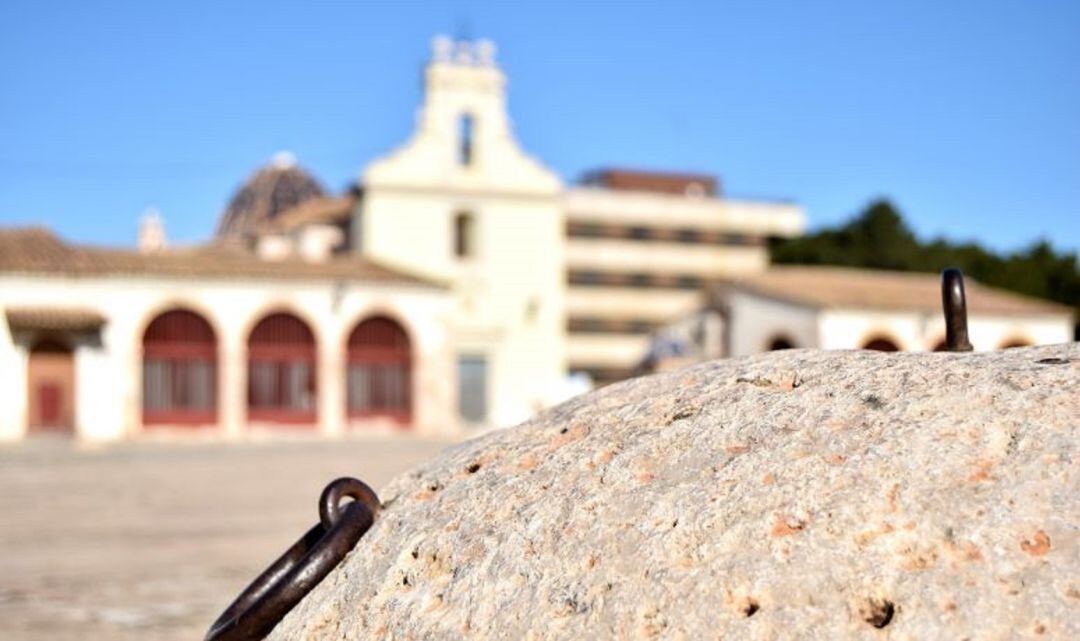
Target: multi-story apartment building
(641,250)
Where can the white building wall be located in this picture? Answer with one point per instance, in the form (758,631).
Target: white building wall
(509,298)
(109,374)
(614,351)
(103,389)
(915,331)
(626,302)
(754,322)
(988,333)
(756,218)
(664,258)
(851,329)
(12,385)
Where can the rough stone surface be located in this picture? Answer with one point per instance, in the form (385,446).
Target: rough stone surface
(799,494)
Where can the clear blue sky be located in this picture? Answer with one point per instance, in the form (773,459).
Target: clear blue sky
(966,114)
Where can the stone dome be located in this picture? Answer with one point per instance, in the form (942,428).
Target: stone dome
(274,189)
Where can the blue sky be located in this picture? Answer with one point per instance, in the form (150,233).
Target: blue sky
(966,114)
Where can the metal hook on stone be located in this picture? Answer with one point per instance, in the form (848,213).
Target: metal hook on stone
(954,304)
(288,580)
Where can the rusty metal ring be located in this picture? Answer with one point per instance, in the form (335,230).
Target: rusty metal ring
(330,500)
(303,566)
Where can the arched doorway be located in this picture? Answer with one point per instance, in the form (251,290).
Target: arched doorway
(50,382)
(881,344)
(179,370)
(780,342)
(282,385)
(379,379)
(1015,342)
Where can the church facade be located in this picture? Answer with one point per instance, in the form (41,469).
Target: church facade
(459,285)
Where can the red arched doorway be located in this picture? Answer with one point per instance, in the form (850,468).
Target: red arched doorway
(379,380)
(1015,342)
(281,371)
(780,342)
(50,383)
(179,370)
(880,344)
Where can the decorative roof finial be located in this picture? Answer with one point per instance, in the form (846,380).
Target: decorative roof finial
(442,48)
(485,52)
(283,160)
(151,232)
(463,55)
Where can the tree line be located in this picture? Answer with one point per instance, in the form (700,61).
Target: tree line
(878,238)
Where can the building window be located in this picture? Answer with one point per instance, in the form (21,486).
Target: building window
(586,325)
(179,370)
(734,239)
(688,236)
(585,230)
(281,371)
(880,344)
(379,381)
(466,127)
(472,388)
(464,235)
(688,282)
(586,278)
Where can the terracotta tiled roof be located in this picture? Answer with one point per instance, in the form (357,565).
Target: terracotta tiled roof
(325,209)
(54,318)
(655,181)
(848,288)
(37,250)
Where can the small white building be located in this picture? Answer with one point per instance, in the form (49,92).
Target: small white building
(844,308)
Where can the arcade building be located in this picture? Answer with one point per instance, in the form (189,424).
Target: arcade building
(458,285)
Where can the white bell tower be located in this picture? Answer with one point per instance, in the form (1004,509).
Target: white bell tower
(463,137)
(461,202)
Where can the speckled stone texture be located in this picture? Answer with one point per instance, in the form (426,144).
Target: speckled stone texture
(793,495)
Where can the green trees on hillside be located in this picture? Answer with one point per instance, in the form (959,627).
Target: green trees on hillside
(878,238)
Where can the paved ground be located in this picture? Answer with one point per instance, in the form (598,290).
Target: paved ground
(151,541)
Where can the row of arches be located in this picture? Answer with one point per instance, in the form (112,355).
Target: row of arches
(180,370)
(883,344)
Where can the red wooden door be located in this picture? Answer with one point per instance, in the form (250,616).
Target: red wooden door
(282,382)
(50,381)
(179,370)
(379,376)
(49,402)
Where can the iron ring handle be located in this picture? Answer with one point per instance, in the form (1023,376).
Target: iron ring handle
(330,500)
(295,573)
